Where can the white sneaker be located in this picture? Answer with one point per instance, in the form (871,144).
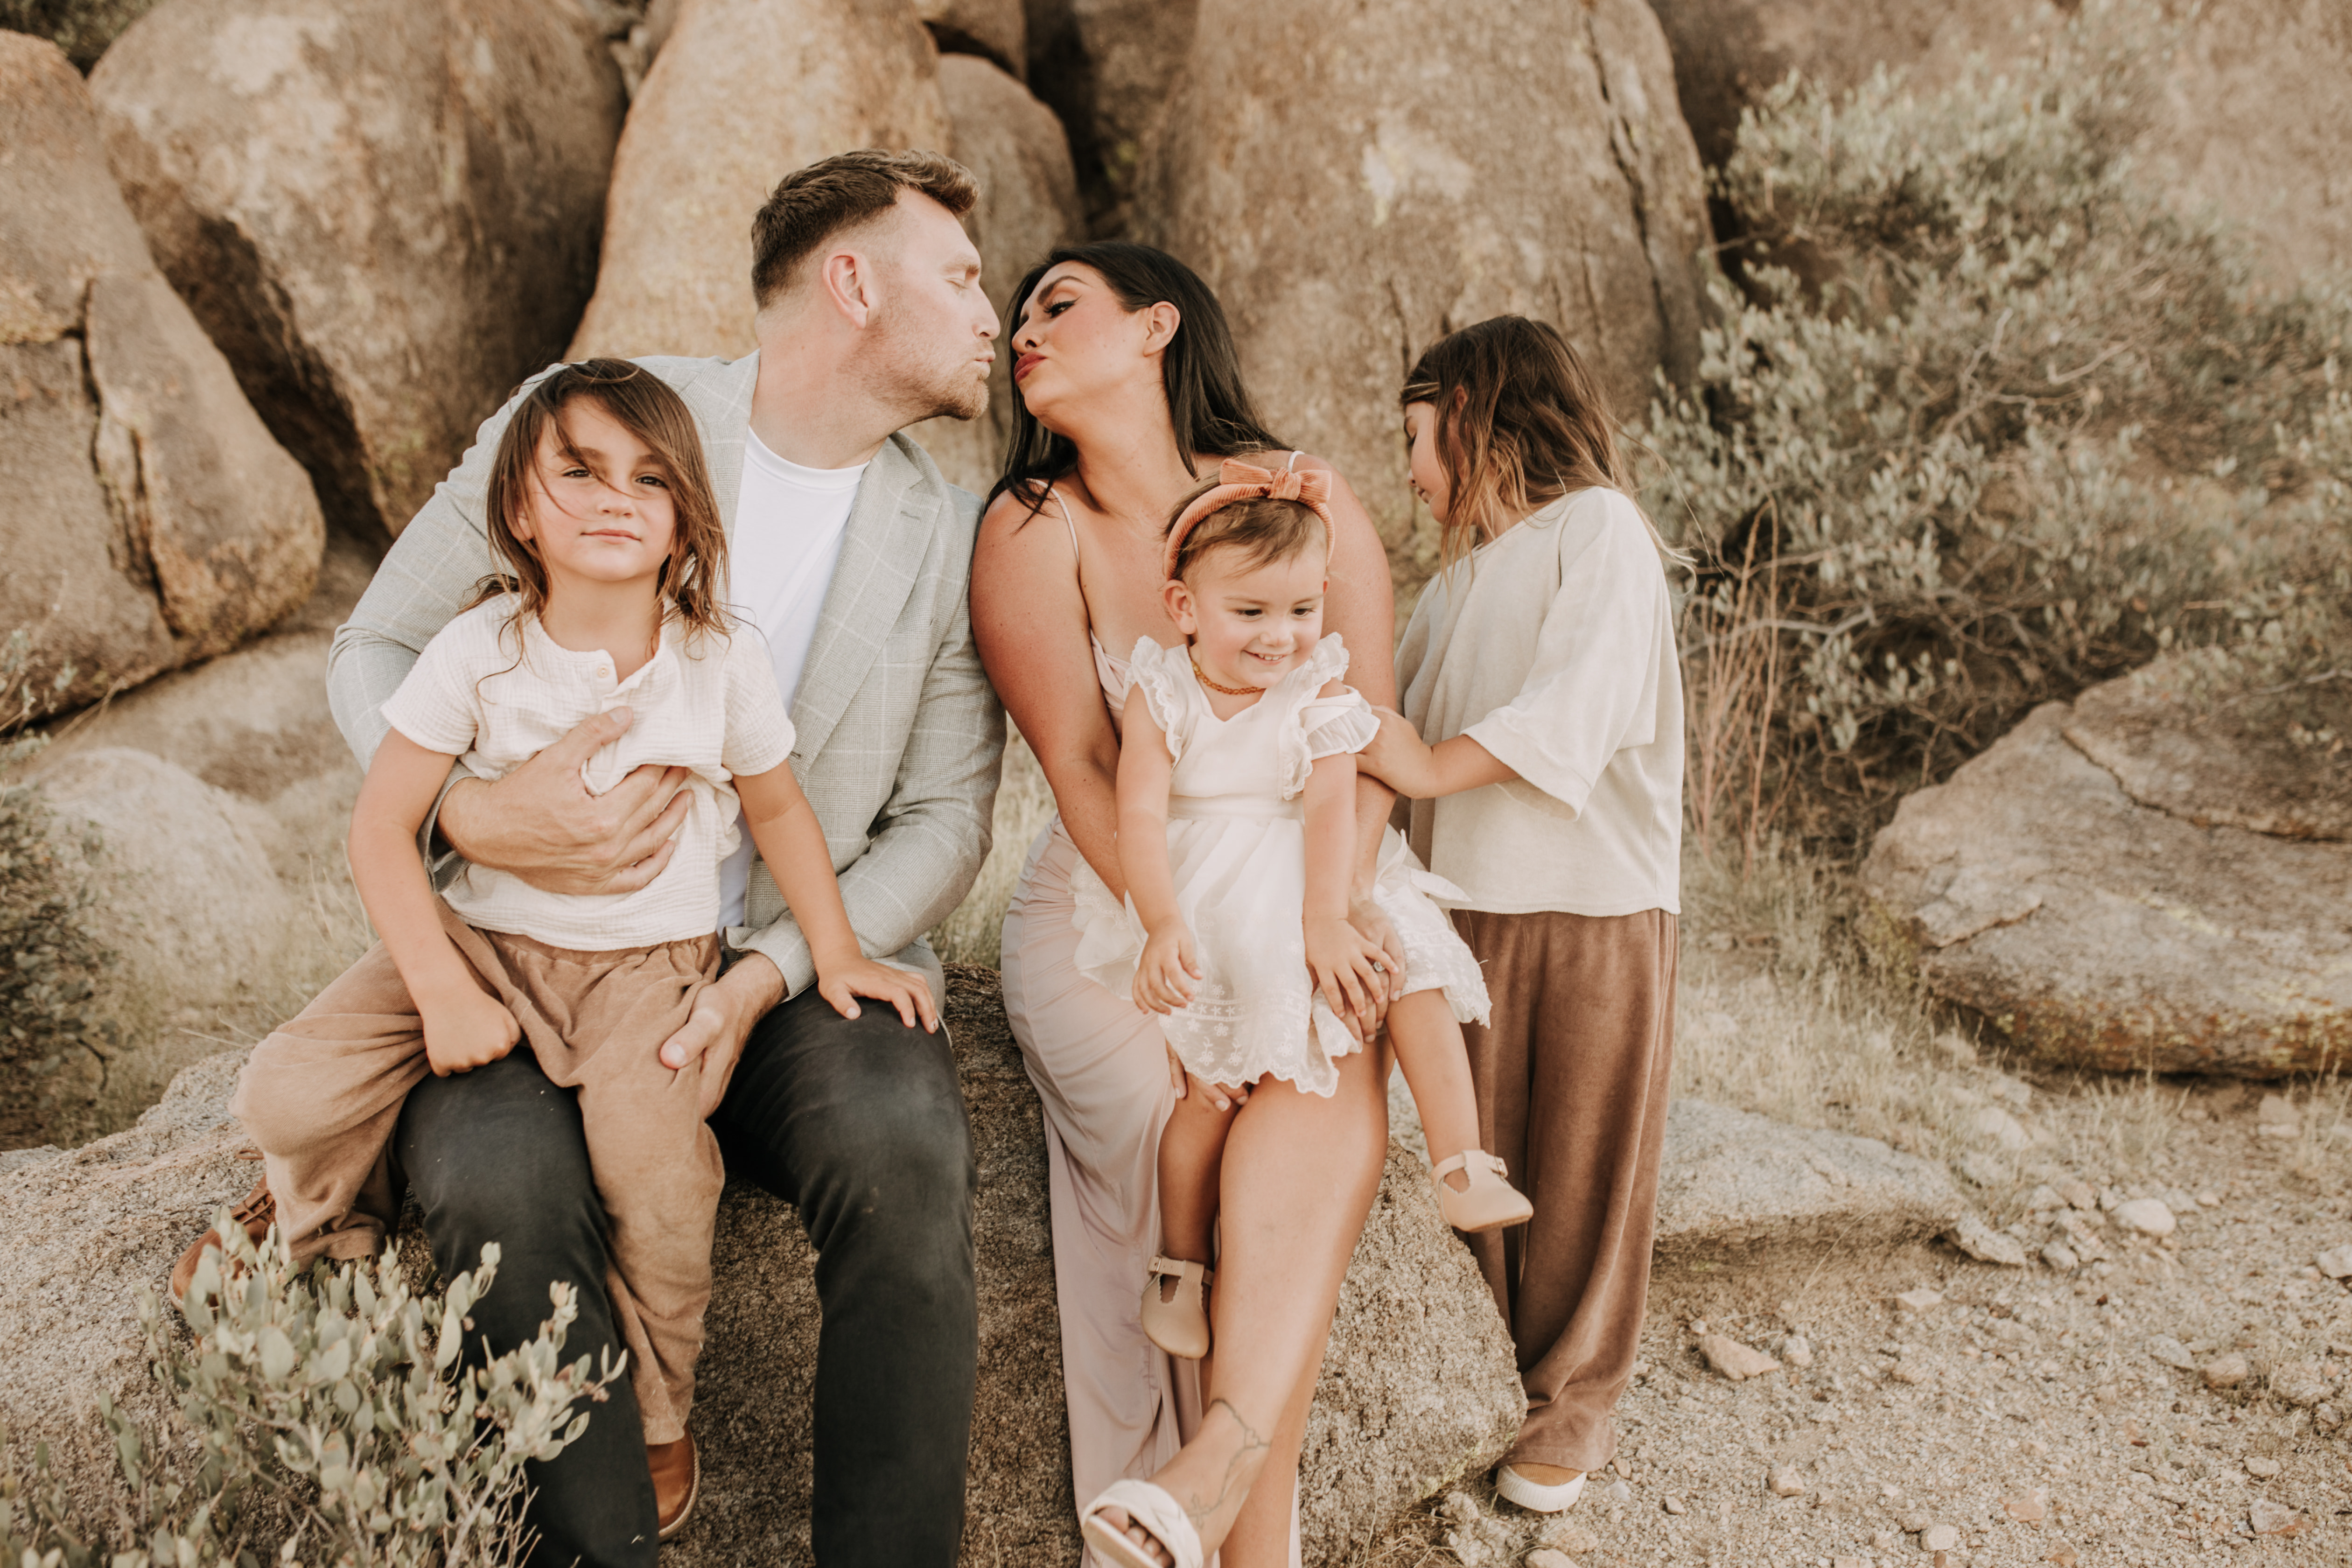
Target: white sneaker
(1516,1487)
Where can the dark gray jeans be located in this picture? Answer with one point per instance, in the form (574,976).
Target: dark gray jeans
(860,1126)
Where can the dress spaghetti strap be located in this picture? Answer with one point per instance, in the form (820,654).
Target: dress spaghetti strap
(1067,522)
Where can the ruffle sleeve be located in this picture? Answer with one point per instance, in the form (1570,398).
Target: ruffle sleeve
(1321,726)
(1170,695)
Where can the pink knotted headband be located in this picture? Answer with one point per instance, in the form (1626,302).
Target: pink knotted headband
(1237,481)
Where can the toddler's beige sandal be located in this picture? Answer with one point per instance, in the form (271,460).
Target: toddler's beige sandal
(1488,1202)
(1180,1327)
(1149,1506)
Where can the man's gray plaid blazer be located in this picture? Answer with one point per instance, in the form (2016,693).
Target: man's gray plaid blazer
(900,733)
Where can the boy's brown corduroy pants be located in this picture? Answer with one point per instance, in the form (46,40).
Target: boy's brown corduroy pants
(1572,1079)
(320,1097)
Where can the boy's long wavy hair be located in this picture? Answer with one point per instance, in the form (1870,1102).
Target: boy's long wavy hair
(694,579)
(1520,423)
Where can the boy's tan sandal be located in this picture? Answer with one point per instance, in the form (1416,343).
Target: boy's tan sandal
(1180,1327)
(1488,1202)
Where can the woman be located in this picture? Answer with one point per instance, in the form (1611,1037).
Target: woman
(1128,383)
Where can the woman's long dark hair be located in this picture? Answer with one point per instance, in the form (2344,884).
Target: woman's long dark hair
(1207,403)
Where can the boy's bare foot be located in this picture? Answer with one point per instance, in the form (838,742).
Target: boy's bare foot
(677,1481)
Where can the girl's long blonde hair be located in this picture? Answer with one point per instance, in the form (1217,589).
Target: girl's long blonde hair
(694,579)
(1520,423)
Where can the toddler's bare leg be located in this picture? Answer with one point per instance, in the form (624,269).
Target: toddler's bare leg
(1191,1153)
(1436,1063)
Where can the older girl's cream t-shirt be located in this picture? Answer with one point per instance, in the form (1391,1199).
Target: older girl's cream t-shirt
(1553,646)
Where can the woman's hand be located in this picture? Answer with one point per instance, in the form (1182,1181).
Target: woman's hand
(466,1027)
(1399,757)
(843,983)
(1351,970)
(1169,970)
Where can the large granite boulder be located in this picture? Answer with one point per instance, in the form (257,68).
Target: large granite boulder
(152,520)
(2252,117)
(998,29)
(743,93)
(82,28)
(1419,1385)
(1733,1185)
(205,813)
(1106,67)
(1028,205)
(384,213)
(1355,182)
(2096,930)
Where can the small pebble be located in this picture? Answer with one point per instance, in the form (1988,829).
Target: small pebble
(1620,1492)
(2226,1372)
(2268,1518)
(2149,1216)
(2028,1508)
(1940,1537)
(1797,1351)
(1570,1537)
(2258,1466)
(2043,1199)
(2061,1256)
(1923,1300)
(1913,1521)
(1545,1557)
(2337,1262)
(1675,1505)
(2079,1194)
(1782,1480)
(1735,1361)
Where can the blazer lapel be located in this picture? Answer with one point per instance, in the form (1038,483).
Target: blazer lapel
(883,548)
(721,404)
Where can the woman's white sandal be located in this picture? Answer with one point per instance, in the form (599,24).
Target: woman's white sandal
(1513,1487)
(1150,1507)
(1489,1202)
(1180,1327)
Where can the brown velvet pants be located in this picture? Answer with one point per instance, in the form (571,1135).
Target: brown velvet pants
(1572,1079)
(321,1095)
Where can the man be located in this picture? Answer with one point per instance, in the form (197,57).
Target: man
(850,556)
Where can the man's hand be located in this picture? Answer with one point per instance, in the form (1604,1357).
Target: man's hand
(466,1027)
(722,1021)
(541,822)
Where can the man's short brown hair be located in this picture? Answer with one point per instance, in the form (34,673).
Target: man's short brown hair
(812,204)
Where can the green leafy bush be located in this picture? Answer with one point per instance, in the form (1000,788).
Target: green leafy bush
(328,1420)
(1983,420)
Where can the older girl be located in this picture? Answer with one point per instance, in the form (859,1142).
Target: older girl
(1542,744)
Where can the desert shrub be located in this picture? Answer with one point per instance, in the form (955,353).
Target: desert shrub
(327,1420)
(1982,420)
(49,965)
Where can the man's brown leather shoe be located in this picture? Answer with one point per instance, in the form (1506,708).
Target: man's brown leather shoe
(677,1482)
(257,1212)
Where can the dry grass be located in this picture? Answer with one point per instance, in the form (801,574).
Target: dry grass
(1784,1012)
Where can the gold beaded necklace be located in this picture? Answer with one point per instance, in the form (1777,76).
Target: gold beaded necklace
(1203,676)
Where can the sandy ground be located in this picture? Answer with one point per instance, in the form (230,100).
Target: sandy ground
(2025,1413)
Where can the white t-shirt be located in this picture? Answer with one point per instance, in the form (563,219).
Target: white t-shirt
(706,704)
(1553,646)
(789,523)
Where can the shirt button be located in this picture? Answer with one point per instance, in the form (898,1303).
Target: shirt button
(605,670)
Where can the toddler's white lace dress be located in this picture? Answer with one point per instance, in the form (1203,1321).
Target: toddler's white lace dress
(1237,845)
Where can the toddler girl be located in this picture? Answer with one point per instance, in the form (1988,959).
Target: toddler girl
(600,505)
(1541,745)
(1236,823)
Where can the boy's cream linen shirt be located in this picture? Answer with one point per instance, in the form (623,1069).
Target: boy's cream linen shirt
(1553,646)
(496,693)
